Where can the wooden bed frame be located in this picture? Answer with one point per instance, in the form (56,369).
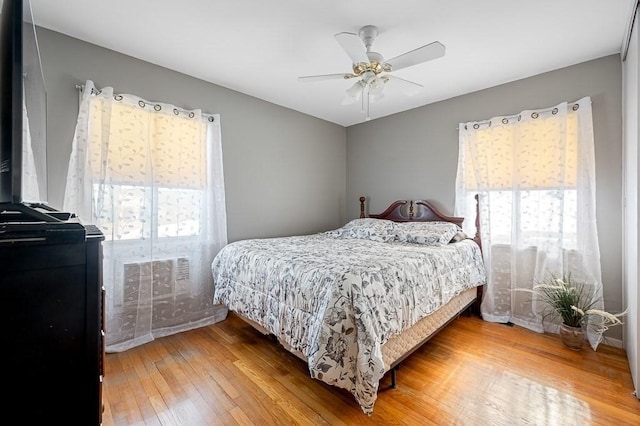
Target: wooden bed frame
(425,329)
(398,348)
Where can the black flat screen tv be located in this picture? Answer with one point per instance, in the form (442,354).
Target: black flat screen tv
(23,147)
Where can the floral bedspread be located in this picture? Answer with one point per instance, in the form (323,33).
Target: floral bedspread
(338,300)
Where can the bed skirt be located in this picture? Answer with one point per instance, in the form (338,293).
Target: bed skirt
(398,347)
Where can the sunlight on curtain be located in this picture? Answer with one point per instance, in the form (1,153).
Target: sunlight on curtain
(150,176)
(535,174)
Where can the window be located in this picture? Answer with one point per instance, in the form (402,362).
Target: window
(528,175)
(150,176)
(537,219)
(535,176)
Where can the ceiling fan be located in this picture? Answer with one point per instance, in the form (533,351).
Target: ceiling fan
(371,69)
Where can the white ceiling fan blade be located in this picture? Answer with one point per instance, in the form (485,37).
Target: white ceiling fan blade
(417,56)
(352,45)
(407,87)
(311,78)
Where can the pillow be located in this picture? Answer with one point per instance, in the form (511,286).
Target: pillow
(367,229)
(427,233)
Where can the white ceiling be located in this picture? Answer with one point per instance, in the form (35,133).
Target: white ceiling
(260,47)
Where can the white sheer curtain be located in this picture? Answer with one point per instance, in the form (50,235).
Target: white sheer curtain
(150,176)
(535,175)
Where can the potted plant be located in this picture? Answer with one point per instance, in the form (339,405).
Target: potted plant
(574,304)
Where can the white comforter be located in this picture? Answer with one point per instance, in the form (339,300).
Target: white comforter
(338,300)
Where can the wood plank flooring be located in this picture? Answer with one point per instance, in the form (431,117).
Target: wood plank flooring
(472,373)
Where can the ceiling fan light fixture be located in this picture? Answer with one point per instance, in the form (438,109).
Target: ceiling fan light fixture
(356,90)
(376,85)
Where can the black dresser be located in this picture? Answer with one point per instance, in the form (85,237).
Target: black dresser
(53,334)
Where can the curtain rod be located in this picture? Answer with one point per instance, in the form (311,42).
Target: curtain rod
(511,117)
(80,88)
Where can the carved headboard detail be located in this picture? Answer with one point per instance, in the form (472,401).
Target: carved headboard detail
(419,211)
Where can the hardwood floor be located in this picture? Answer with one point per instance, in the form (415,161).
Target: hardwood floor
(472,373)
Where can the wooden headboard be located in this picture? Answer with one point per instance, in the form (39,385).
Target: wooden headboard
(419,211)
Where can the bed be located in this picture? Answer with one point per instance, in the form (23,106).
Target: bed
(354,302)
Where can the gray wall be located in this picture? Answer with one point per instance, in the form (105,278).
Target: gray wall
(414,154)
(288,173)
(284,171)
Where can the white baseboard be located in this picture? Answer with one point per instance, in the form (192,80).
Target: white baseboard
(616,343)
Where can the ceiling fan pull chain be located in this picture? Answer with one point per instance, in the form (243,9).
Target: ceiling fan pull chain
(367,101)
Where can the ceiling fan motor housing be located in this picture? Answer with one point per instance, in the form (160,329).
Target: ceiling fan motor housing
(368,34)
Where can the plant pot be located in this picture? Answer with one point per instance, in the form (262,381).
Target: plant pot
(572,337)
